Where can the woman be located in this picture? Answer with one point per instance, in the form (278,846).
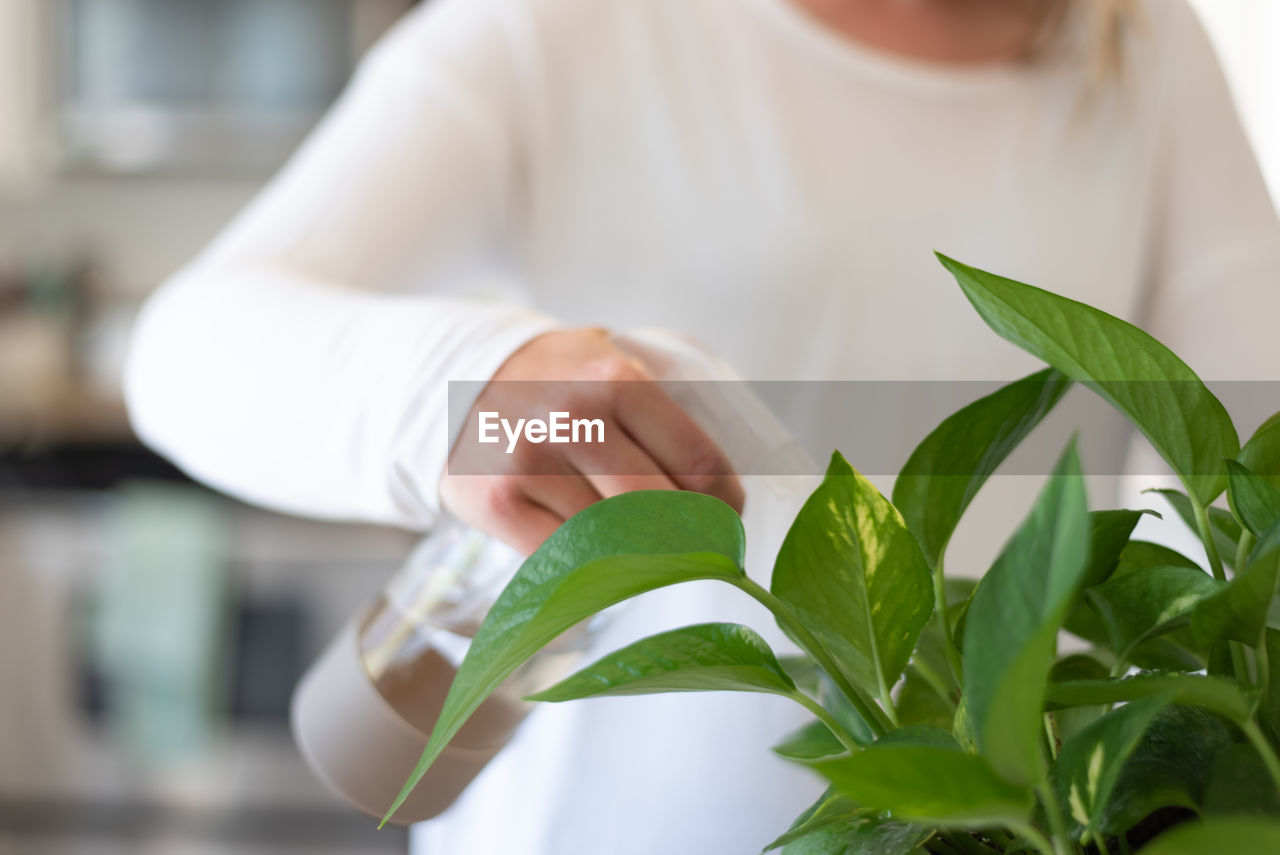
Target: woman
(767,175)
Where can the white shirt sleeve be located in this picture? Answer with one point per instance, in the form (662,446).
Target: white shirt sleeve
(1216,254)
(302,362)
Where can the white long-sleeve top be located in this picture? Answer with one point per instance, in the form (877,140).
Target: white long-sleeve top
(727,168)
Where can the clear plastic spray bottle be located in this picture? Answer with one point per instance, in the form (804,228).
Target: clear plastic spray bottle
(363,712)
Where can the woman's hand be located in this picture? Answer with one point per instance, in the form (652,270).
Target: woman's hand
(650,443)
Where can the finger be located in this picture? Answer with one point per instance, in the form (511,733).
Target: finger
(618,465)
(563,495)
(670,436)
(498,506)
(525,526)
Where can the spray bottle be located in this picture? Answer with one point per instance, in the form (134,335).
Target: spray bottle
(363,712)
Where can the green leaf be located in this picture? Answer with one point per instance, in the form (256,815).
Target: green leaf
(920,734)
(930,656)
(1239,783)
(831,809)
(1168,652)
(809,742)
(1269,709)
(1215,694)
(1218,836)
(811,680)
(708,657)
(1007,732)
(1219,660)
(1222,525)
(1108,546)
(1136,374)
(962,728)
(1014,619)
(1077,666)
(615,549)
(1169,767)
(926,783)
(802,670)
(919,702)
(1254,501)
(1174,651)
(1108,538)
(860,835)
(1238,611)
(1140,554)
(1148,602)
(951,464)
(856,575)
(1090,762)
(1261,454)
(834,702)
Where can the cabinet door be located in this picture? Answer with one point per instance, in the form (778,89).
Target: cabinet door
(24,127)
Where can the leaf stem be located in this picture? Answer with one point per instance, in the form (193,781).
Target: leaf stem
(1000,837)
(1057,825)
(1206,537)
(865,707)
(886,701)
(940,611)
(1051,733)
(935,682)
(1263,663)
(826,718)
(1242,548)
(1238,666)
(1263,747)
(1033,836)
(938,842)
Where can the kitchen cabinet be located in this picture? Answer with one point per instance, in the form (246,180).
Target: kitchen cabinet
(25,133)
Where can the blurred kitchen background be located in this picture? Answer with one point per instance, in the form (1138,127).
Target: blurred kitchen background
(151,631)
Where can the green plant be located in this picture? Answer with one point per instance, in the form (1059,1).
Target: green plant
(949,723)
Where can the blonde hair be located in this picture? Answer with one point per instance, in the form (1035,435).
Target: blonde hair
(1107,23)
(1102,27)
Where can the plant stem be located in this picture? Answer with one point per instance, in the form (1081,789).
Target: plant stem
(1102,845)
(1215,564)
(1206,537)
(1263,663)
(1263,747)
(886,701)
(1001,838)
(1238,665)
(938,842)
(826,718)
(935,681)
(865,707)
(1051,732)
(940,611)
(1057,825)
(1243,546)
(1035,838)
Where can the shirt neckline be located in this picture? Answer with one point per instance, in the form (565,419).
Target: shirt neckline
(896,69)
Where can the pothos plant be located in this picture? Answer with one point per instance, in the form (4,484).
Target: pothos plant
(944,718)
